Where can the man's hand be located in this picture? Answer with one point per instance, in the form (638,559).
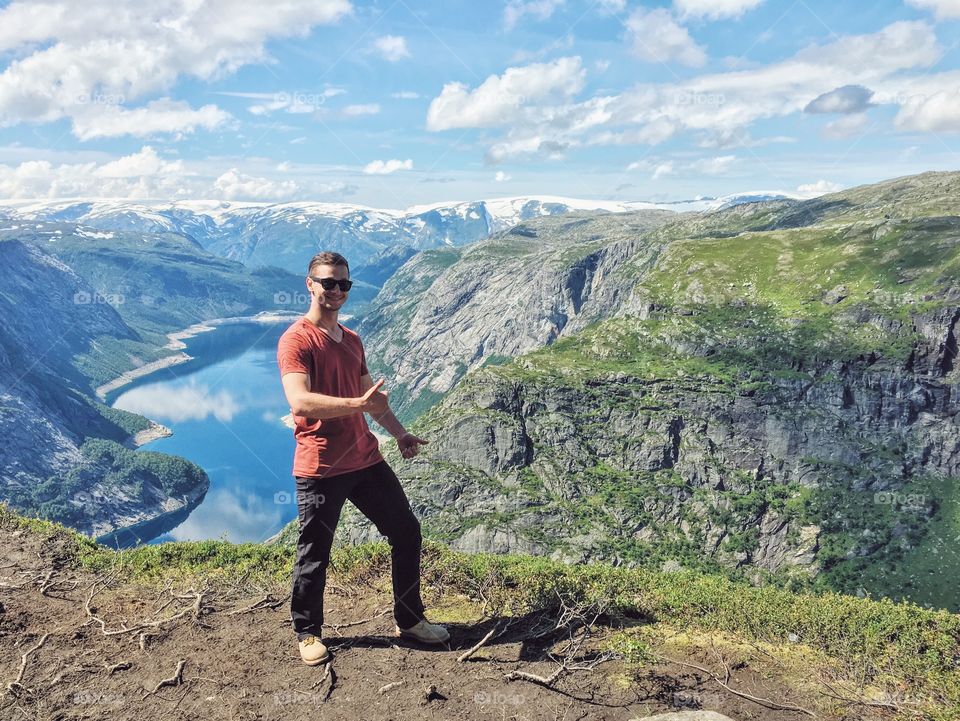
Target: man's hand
(374,401)
(409,445)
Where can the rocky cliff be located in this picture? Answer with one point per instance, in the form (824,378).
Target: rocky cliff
(772,390)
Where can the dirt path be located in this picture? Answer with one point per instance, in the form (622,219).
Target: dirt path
(74,646)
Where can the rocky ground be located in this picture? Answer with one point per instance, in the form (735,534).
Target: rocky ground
(79,645)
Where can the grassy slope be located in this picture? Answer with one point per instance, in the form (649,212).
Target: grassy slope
(740,308)
(897,647)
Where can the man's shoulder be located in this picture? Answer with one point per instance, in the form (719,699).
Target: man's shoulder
(347,332)
(295,333)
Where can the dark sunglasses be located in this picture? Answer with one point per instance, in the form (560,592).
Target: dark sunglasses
(331,283)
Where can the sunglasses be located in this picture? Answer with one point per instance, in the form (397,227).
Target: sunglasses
(331,283)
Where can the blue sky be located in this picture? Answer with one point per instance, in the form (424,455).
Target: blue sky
(391,104)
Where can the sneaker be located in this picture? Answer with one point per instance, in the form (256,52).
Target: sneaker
(312,651)
(424,632)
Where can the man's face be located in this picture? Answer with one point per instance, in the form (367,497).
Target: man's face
(330,299)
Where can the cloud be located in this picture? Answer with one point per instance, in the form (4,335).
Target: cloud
(811,190)
(714,9)
(943,9)
(662,170)
(391,47)
(714,166)
(501,177)
(154,118)
(89,61)
(234,185)
(702,166)
(656,37)
(144,162)
(355,110)
(539,9)
(501,98)
(186,403)
(385,167)
(537,110)
(935,113)
(846,126)
(845,99)
(291,101)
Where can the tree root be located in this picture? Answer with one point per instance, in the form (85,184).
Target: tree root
(16,686)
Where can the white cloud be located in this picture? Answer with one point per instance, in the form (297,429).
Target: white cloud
(846,126)
(187,403)
(144,162)
(234,185)
(291,101)
(943,9)
(656,37)
(539,9)
(845,99)
(354,110)
(501,177)
(501,98)
(714,9)
(385,167)
(391,47)
(811,190)
(937,113)
(85,60)
(714,166)
(662,170)
(156,117)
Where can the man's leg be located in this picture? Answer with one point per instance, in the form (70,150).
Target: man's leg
(380,497)
(319,512)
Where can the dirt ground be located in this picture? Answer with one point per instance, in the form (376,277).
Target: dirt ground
(73,647)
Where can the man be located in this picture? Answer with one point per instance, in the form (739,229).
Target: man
(324,374)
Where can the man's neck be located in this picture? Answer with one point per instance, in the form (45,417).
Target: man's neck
(326,319)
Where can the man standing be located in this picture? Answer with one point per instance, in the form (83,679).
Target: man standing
(324,374)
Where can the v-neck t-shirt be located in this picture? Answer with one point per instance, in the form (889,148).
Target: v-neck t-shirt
(329,446)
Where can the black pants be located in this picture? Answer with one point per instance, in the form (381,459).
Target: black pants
(377,493)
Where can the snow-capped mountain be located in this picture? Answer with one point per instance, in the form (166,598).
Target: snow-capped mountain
(287,234)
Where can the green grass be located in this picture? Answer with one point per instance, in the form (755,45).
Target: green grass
(917,647)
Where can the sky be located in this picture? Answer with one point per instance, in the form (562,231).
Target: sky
(395,103)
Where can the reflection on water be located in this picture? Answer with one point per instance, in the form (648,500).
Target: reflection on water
(224,408)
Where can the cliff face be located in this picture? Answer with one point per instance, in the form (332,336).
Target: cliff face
(448,311)
(772,390)
(61,454)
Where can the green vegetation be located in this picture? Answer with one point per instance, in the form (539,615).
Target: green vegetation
(898,645)
(108,474)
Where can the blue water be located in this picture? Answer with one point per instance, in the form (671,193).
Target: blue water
(224,408)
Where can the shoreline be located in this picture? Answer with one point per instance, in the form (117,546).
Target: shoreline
(175,342)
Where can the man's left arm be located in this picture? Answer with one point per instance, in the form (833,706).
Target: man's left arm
(408,443)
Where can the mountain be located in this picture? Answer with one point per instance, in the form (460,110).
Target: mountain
(62,453)
(768,390)
(288,234)
(82,307)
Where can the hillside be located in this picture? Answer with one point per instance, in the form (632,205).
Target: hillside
(201,631)
(769,392)
(80,308)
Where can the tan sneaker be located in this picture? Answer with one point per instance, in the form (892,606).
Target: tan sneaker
(425,632)
(312,651)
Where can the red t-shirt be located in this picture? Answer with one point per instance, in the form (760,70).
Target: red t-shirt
(328,447)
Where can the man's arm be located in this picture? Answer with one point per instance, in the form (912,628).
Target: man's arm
(386,420)
(296,386)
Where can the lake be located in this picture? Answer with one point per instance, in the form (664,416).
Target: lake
(225,408)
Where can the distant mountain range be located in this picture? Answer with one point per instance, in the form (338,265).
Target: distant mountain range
(375,240)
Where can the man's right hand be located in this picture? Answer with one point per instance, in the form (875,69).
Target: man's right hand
(374,401)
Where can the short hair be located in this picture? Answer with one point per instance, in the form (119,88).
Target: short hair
(327,257)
